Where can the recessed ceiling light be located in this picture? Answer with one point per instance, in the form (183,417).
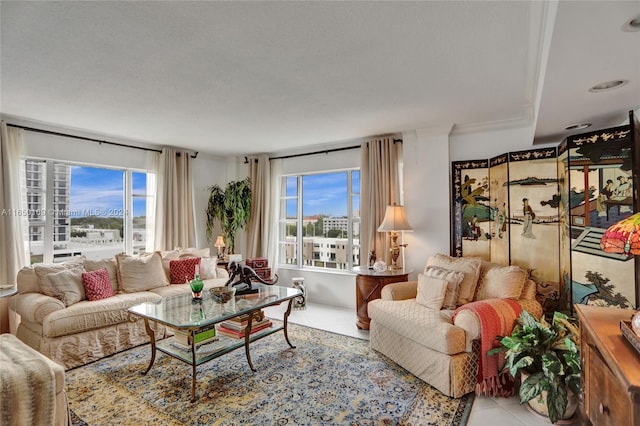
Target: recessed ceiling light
(632,25)
(578,126)
(608,85)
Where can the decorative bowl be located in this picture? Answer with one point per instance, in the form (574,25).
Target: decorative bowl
(222,294)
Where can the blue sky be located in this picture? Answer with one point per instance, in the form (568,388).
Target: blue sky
(324,193)
(100,191)
(97,190)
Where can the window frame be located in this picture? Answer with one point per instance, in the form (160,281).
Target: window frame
(50,202)
(284,222)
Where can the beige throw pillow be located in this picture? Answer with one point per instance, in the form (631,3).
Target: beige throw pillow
(44,269)
(470,267)
(141,272)
(453,279)
(67,285)
(503,282)
(431,291)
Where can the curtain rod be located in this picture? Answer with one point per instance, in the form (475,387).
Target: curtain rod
(66,135)
(324,151)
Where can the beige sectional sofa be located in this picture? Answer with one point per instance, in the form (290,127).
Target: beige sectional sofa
(51,312)
(424,339)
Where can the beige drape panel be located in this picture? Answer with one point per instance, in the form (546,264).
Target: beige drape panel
(258,228)
(379,186)
(13,254)
(175,216)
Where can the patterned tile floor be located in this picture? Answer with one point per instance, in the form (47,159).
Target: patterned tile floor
(485,411)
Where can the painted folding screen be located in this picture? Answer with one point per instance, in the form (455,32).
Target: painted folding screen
(471,212)
(599,168)
(534,220)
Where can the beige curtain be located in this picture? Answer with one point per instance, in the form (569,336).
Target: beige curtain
(258,228)
(13,252)
(175,213)
(380,186)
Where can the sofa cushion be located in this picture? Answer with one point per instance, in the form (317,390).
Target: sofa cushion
(140,272)
(431,291)
(428,327)
(112,267)
(453,278)
(469,266)
(97,284)
(65,285)
(42,269)
(183,270)
(86,315)
(502,282)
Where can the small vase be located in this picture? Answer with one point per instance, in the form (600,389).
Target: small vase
(196,285)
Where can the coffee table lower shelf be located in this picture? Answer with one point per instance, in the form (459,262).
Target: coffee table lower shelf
(194,359)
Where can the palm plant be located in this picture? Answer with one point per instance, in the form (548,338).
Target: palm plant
(549,356)
(231,207)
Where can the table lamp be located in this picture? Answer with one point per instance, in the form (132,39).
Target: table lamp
(395,220)
(219,244)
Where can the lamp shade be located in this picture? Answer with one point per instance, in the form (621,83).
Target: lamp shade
(219,241)
(394,220)
(623,237)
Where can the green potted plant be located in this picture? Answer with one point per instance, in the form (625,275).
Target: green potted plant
(548,358)
(231,207)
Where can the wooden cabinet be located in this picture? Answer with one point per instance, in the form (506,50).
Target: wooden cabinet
(610,368)
(369,284)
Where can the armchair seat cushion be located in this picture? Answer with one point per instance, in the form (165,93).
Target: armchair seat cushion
(420,324)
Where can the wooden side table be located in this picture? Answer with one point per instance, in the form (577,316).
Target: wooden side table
(610,368)
(369,284)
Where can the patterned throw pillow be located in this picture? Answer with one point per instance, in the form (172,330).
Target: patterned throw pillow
(183,270)
(469,266)
(453,279)
(97,284)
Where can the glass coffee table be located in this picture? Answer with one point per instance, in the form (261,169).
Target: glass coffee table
(192,317)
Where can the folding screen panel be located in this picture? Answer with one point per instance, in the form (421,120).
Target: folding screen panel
(499,194)
(533,219)
(471,211)
(600,173)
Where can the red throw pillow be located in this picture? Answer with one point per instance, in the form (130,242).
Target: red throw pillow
(97,284)
(183,270)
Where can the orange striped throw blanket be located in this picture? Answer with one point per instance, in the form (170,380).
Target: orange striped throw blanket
(497,318)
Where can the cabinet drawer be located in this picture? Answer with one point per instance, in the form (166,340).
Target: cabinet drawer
(608,402)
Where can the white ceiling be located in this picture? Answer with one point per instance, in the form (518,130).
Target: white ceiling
(235,78)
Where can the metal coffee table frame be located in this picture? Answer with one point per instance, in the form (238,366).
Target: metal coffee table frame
(206,314)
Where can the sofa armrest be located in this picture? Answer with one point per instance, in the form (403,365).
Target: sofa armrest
(399,291)
(35,307)
(222,273)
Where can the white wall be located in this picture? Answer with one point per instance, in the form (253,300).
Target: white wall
(330,288)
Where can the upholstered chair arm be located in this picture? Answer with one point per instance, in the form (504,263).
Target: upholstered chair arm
(34,306)
(400,290)
(470,323)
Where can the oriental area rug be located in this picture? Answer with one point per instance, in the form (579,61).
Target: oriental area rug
(328,379)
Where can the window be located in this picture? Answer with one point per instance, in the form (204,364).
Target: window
(320,220)
(76,209)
